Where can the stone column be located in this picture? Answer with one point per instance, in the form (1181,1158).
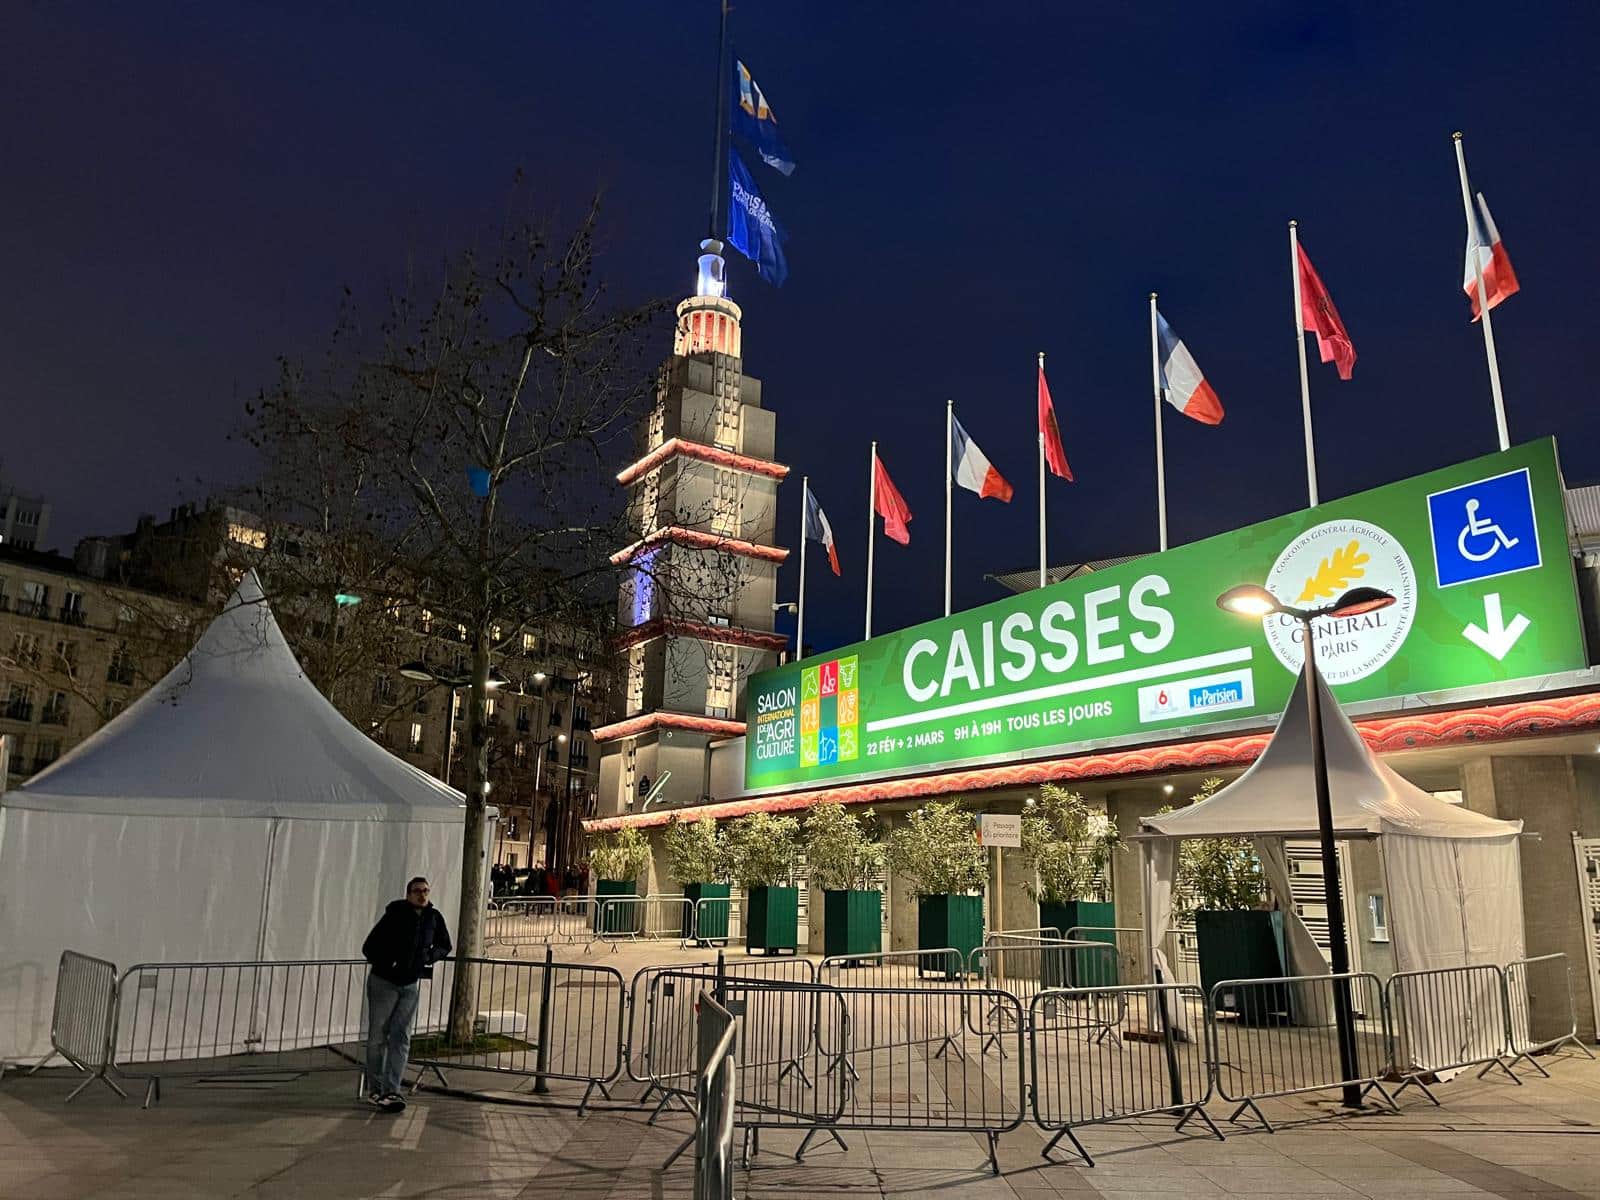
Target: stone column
(1125,806)
(1554,796)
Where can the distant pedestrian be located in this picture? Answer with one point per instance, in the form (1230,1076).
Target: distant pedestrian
(403,946)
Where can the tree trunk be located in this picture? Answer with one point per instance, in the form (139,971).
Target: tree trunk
(474,878)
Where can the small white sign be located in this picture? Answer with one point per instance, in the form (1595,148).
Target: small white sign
(999,829)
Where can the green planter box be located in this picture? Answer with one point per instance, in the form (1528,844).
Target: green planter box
(772,919)
(852,923)
(615,918)
(1080,968)
(712,924)
(1244,945)
(953,921)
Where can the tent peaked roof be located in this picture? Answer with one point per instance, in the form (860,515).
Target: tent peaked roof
(1278,795)
(236,729)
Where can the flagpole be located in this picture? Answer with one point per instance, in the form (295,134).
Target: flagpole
(800,608)
(1483,299)
(949,467)
(723,86)
(1161,460)
(1042,568)
(872,507)
(1300,347)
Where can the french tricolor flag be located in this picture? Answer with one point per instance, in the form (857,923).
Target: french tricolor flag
(971,467)
(1487,252)
(818,529)
(1182,382)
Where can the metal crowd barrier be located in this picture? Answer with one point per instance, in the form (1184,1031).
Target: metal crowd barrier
(222,1019)
(1278,1037)
(632,917)
(1447,1020)
(716,921)
(715,1087)
(1025,964)
(1128,940)
(1147,1069)
(540,1020)
(863,974)
(893,1081)
(82,1016)
(1539,1010)
(656,1051)
(542,921)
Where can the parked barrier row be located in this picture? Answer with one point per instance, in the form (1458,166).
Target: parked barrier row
(903,1040)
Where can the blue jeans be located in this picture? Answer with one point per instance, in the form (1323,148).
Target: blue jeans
(390,1007)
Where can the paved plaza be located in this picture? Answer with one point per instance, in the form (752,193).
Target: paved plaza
(304,1135)
(307,1138)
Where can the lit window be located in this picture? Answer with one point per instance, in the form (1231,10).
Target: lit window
(245,536)
(416,736)
(530,643)
(720,665)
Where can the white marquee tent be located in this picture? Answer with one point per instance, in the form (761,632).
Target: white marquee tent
(1452,876)
(230,814)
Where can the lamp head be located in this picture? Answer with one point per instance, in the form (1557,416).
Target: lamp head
(1360,600)
(418,671)
(1248,600)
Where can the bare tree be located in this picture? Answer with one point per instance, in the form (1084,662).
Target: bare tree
(471,441)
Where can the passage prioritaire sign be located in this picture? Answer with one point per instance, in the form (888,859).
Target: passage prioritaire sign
(1476,555)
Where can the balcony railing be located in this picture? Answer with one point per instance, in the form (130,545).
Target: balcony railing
(121,673)
(73,616)
(53,714)
(33,608)
(18,710)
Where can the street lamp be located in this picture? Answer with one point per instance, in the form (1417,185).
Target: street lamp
(421,672)
(1251,600)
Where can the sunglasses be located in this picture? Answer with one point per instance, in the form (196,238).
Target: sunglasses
(418,891)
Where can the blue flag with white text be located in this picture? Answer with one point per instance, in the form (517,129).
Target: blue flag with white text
(753,118)
(751,228)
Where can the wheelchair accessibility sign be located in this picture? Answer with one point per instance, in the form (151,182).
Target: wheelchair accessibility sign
(1484,529)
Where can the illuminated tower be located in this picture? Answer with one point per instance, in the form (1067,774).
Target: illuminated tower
(696,603)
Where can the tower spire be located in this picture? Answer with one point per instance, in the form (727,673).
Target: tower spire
(719,140)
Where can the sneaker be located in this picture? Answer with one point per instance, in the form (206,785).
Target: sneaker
(375,1099)
(393,1102)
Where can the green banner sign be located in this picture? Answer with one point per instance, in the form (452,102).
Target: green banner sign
(1476,556)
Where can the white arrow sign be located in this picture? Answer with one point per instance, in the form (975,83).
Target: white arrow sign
(1496,637)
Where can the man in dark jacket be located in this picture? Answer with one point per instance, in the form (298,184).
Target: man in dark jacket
(402,948)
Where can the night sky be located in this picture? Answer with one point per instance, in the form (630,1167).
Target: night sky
(187,188)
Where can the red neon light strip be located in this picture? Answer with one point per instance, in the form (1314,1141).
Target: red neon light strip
(634,726)
(700,540)
(1384,735)
(714,455)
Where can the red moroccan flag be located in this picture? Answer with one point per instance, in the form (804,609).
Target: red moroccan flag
(1054,453)
(1322,318)
(891,505)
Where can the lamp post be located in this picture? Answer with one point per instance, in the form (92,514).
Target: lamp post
(1250,600)
(421,672)
(538,769)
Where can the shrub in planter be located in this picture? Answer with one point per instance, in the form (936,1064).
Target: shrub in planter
(1069,844)
(618,861)
(936,851)
(765,851)
(1220,882)
(842,859)
(697,853)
